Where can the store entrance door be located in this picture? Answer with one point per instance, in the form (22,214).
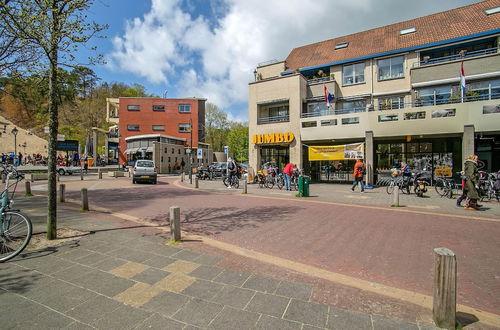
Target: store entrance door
(277,154)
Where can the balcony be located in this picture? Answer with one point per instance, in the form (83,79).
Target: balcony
(275,119)
(482,52)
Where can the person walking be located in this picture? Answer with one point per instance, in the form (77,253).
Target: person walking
(471,182)
(287,172)
(231,171)
(359,170)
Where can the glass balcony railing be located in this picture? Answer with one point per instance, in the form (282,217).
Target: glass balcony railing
(275,119)
(429,61)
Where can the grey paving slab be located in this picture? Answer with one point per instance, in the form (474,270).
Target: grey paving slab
(92,259)
(131,254)
(109,264)
(93,309)
(164,250)
(47,320)
(24,282)
(52,286)
(206,272)
(234,319)
(344,319)
(310,327)
(47,264)
(234,296)
(63,301)
(268,304)
(159,261)
(191,327)
(186,255)
(294,290)
(78,326)
(18,311)
(156,321)
(198,312)
(166,303)
(124,317)
(267,322)
(150,275)
(70,273)
(203,289)
(232,277)
(382,323)
(261,283)
(307,313)
(74,254)
(103,283)
(207,259)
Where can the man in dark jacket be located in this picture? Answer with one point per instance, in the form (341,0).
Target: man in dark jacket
(471,182)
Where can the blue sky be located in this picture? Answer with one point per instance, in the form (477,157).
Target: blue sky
(210,48)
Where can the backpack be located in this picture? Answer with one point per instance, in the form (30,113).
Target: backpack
(231,166)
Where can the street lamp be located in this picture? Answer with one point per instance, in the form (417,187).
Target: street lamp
(190,150)
(15,131)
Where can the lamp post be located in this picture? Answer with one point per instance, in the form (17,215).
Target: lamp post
(14,132)
(190,150)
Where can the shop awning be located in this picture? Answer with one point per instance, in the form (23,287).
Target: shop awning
(145,149)
(131,151)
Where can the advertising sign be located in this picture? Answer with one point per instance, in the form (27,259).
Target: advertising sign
(68,145)
(339,152)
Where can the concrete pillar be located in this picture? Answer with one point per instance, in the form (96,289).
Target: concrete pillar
(85,200)
(445,288)
(196,182)
(175,223)
(369,161)
(27,188)
(99,173)
(245,189)
(395,196)
(468,142)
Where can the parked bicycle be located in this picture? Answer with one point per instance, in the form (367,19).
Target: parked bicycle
(401,184)
(446,187)
(15,227)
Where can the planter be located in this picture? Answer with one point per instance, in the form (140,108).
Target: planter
(36,176)
(116,174)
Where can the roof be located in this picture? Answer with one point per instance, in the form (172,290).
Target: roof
(448,25)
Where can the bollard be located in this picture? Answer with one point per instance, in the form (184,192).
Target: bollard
(196,183)
(129,171)
(32,178)
(99,173)
(81,174)
(58,177)
(85,200)
(244,186)
(62,189)
(182,177)
(175,223)
(3,178)
(27,188)
(445,288)
(395,197)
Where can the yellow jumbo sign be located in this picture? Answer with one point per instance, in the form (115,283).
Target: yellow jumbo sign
(340,152)
(273,138)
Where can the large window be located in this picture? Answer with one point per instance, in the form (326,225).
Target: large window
(317,108)
(391,68)
(183,128)
(392,102)
(273,113)
(353,74)
(133,107)
(352,120)
(158,127)
(133,127)
(158,108)
(436,95)
(351,106)
(184,108)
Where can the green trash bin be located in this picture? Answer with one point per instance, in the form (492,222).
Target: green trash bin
(304,186)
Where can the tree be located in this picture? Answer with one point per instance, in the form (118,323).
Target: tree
(216,127)
(55,29)
(237,140)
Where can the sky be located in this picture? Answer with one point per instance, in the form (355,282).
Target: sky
(210,48)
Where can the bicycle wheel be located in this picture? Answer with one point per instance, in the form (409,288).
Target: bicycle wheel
(441,187)
(224,180)
(280,182)
(269,182)
(15,234)
(390,187)
(235,183)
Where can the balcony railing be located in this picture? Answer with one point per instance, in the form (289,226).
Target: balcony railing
(333,112)
(319,80)
(275,119)
(456,57)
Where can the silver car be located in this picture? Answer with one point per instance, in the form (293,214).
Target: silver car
(144,170)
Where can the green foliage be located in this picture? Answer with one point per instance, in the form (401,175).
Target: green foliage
(237,140)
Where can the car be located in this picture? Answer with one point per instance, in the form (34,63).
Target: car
(219,169)
(62,170)
(144,170)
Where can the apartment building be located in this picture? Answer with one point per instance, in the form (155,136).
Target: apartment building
(389,94)
(164,130)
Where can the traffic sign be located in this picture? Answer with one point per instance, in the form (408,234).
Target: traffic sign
(226,150)
(199,153)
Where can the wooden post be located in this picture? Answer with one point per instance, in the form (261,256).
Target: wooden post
(58,176)
(175,223)
(81,174)
(3,178)
(62,190)
(85,200)
(196,183)
(395,197)
(182,177)
(27,188)
(99,173)
(245,186)
(445,288)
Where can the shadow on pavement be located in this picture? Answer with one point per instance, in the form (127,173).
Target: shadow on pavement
(465,319)
(20,281)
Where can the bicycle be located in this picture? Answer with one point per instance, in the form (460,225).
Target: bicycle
(402,185)
(15,227)
(446,187)
(233,183)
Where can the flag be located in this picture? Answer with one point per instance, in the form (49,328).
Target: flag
(328,96)
(462,81)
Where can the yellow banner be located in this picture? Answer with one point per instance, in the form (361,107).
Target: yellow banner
(340,152)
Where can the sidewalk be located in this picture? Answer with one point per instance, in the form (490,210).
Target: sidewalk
(123,275)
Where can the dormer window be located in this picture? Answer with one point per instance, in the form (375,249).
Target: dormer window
(341,45)
(492,11)
(407,31)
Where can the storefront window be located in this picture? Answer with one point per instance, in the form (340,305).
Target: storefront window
(276,154)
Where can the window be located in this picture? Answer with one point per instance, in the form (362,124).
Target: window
(317,108)
(492,11)
(383,118)
(133,107)
(353,74)
(436,95)
(184,128)
(133,127)
(273,113)
(329,122)
(341,45)
(158,127)
(407,31)
(390,68)
(392,102)
(352,120)
(307,124)
(415,115)
(158,108)
(351,106)
(166,150)
(184,108)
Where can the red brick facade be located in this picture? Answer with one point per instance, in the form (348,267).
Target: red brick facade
(139,111)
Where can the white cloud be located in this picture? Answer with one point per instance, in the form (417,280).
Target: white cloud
(171,46)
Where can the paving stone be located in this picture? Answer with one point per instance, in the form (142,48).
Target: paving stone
(234,296)
(231,318)
(310,327)
(267,322)
(129,270)
(48,320)
(181,266)
(294,290)
(131,255)
(191,327)
(261,283)
(159,261)
(186,255)
(63,300)
(124,317)
(268,304)
(75,254)
(78,326)
(206,272)
(164,250)
(150,276)
(166,303)
(47,264)
(93,309)
(138,295)
(207,260)
(307,313)
(92,259)
(109,263)
(198,312)
(175,282)
(203,289)
(382,323)
(344,319)
(18,312)
(103,283)
(157,321)
(232,277)
(26,282)
(72,272)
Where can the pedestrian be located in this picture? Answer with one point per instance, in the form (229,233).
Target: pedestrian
(471,182)
(464,190)
(232,168)
(183,163)
(287,173)
(86,164)
(359,171)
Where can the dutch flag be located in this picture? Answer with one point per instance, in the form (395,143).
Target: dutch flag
(462,81)
(328,96)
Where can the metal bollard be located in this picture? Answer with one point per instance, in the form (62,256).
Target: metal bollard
(58,177)
(99,173)
(395,197)
(245,187)
(85,200)
(27,188)
(182,177)
(81,174)
(175,223)
(62,190)
(196,183)
(129,171)
(445,288)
